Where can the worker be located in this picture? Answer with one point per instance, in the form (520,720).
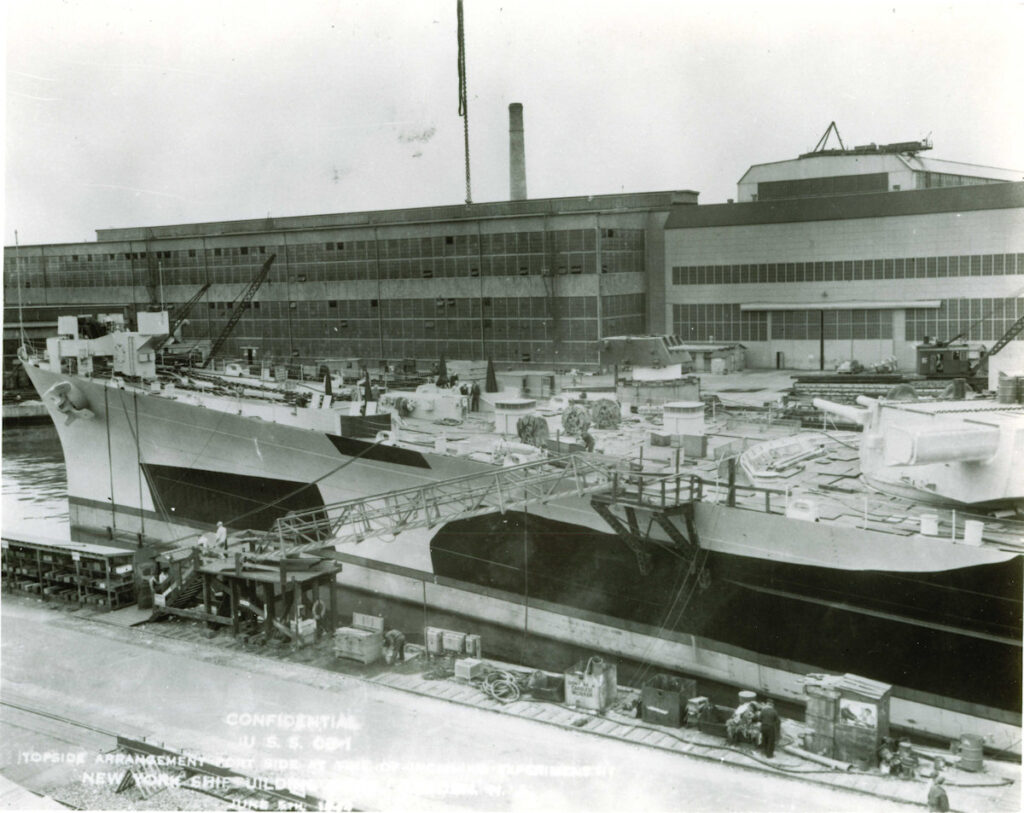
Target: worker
(937,798)
(474,397)
(221,538)
(588,440)
(202,542)
(770,728)
(396,642)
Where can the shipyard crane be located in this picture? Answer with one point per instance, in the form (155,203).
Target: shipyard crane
(183,311)
(1003,340)
(240,308)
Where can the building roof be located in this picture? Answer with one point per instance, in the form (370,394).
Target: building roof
(825,164)
(583,204)
(847,207)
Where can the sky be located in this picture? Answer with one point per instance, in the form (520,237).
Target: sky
(155,112)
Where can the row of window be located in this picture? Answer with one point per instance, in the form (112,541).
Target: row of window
(846,324)
(623,305)
(816,187)
(513,351)
(297,271)
(718,323)
(934,180)
(979,320)
(438,247)
(976,265)
(328,314)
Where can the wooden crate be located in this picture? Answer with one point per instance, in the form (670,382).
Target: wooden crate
(365,646)
(363,641)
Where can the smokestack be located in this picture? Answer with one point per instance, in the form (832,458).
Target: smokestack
(516,153)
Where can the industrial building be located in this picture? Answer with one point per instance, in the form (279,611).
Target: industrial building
(834,255)
(850,254)
(533,281)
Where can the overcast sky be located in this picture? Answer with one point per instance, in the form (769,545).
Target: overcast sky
(148,113)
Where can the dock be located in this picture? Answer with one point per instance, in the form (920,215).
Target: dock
(25,412)
(428,682)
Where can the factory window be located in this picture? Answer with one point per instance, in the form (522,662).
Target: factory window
(474,272)
(524,270)
(833,270)
(333,303)
(817,187)
(256,306)
(427,273)
(213,306)
(263,249)
(329,246)
(191,252)
(343,323)
(74,257)
(429,325)
(293,305)
(373,303)
(216,252)
(449,240)
(245,249)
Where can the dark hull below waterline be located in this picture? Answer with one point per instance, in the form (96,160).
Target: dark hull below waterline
(934,633)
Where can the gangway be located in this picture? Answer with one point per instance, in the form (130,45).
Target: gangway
(505,489)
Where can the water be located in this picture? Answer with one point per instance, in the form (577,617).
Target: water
(35,498)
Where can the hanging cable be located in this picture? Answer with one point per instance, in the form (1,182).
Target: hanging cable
(463,100)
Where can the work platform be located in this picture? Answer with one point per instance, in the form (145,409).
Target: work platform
(282,598)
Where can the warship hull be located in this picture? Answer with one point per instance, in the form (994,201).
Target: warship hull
(779,598)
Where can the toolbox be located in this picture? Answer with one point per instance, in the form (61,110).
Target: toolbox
(363,641)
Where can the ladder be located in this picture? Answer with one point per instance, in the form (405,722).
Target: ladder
(505,489)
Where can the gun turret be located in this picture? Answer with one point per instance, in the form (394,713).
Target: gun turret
(850,413)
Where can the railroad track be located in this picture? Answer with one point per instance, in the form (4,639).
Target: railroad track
(152,767)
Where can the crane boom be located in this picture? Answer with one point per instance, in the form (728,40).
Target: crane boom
(1004,340)
(240,308)
(184,310)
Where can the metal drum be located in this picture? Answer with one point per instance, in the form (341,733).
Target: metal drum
(971,752)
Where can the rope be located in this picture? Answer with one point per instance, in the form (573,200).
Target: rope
(463,100)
